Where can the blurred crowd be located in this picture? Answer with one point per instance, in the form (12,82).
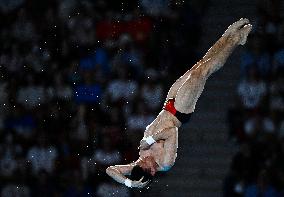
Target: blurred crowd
(257,121)
(79,81)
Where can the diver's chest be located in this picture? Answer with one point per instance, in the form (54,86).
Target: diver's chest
(156,150)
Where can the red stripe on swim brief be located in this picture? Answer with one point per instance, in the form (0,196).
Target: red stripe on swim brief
(170,107)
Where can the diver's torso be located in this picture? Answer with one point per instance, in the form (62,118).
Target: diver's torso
(163,121)
(156,150)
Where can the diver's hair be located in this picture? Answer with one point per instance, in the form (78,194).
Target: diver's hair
(137,173)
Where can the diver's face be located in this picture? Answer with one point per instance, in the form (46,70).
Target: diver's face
(149,165)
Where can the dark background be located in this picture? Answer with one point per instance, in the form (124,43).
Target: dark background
(80,81)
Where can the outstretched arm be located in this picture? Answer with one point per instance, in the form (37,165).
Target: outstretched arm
(118,173)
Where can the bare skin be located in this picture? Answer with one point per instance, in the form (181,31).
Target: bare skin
(161,155)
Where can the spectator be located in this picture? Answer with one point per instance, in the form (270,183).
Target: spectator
(8,5)
(106,189)
(76,188)
(252,91)
(3,96)
(8,162)
(107,154)
(44,185)
(23,30)
(60,90)
(22,123)
(122,87)
(83,36)
(80,130)
(152,92)
(13,190)
(32,95)
(42,156)
(259,125)
(278,56)
(261,187)
(243,163)
(256,59)
(88,92)
(281,130)
(140,118)
(155,8)
(137,122)
(276,96)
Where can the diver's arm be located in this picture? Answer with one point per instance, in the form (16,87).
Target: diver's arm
(118,173)
(159,135)
(170,147)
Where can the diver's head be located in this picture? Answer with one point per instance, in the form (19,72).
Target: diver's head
(146,167)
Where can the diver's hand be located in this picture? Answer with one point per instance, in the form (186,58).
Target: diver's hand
(143,145)
(139,184)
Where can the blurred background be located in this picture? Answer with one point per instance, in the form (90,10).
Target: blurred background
(80,81)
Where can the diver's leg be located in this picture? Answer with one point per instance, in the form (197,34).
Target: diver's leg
(217,55)
(190,90)
(178,83)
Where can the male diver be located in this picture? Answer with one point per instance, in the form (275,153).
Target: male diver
(158,148)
